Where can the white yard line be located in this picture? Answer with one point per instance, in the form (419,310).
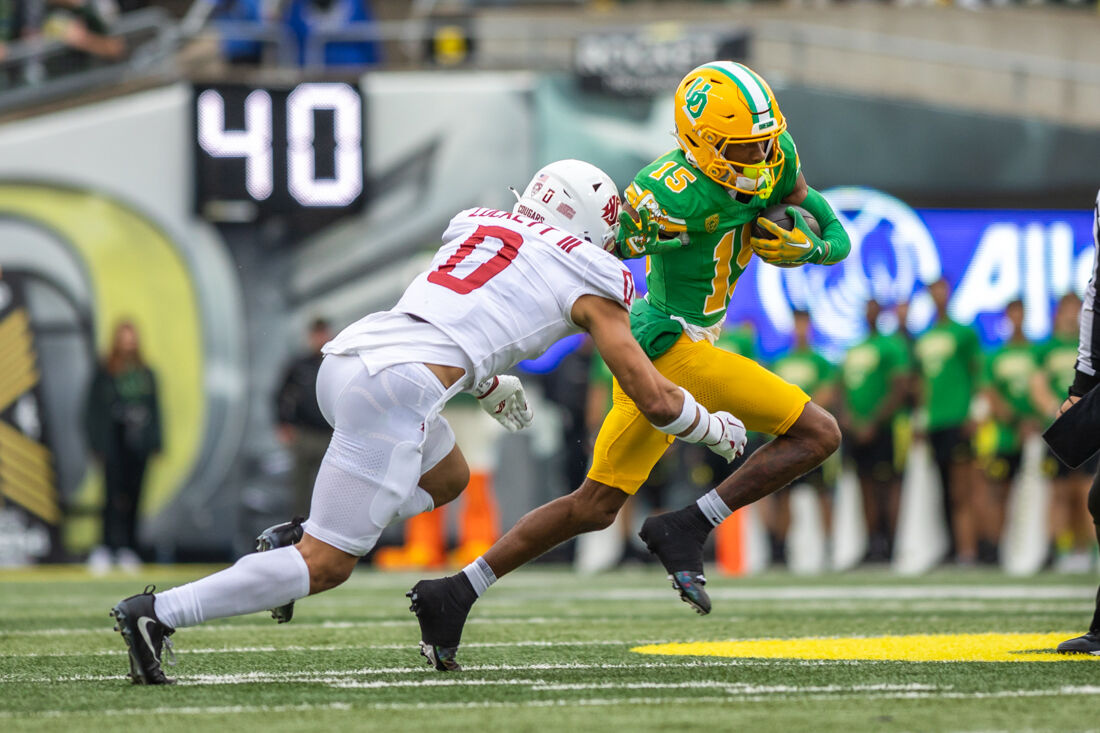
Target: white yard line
(335,625)
(758,695)
(344,674)
(334,648)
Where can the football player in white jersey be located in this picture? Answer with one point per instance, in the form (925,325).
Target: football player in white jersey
(503,287)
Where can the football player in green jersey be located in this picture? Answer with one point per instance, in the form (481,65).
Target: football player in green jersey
(690,211)
(1006,384)
(1071,529)
(949,361)
(816,376)
(875,378)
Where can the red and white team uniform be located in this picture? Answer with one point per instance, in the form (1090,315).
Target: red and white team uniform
(501,289)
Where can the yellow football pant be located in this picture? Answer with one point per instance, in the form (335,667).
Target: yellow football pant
(628,446)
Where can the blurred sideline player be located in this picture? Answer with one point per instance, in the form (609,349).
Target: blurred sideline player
(1006,384)
(694,207)
(502,288)
(875,375)
(949,362)
(816,376)
(1070,529)
(1086,377)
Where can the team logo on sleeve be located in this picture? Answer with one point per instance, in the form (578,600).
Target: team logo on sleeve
(610,212)
(711,224)
(695,100)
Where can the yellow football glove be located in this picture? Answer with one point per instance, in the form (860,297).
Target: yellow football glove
(642,237)
(789,248)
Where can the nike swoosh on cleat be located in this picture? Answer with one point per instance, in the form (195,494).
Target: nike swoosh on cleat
(143,624)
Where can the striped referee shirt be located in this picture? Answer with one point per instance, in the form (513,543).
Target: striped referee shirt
(1088,345)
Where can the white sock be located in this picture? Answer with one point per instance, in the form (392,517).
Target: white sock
(712,507)
(256,582)
(480,574)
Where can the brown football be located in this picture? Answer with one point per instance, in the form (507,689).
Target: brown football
(778,215)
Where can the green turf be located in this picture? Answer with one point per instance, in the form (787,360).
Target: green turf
(547,650)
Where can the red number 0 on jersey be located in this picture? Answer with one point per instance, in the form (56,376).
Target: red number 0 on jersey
(511,242)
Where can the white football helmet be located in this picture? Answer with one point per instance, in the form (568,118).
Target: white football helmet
(574,196)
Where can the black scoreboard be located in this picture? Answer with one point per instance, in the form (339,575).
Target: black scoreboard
(261,151)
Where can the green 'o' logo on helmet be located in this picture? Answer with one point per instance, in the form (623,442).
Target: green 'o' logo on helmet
(695,99)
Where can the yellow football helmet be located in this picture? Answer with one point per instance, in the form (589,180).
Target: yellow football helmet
(724,104)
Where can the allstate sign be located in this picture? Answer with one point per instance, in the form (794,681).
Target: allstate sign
(990,257)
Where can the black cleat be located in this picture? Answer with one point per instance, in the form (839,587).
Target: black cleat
(281,535)
(677,547)
(145,636)
(441,607)
(1086,644)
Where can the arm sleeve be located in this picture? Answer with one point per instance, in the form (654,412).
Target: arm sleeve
(837,244)
(1089,342)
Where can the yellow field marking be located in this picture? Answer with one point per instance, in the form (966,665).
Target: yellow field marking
(911,648)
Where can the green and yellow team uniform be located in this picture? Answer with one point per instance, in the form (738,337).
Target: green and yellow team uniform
(693,285)
(1058,360)
(805,368)
(1008,371)
(868,373)
(949,359)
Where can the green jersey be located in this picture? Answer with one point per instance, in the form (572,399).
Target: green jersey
(804,368)
(696,281)
(1058,360)
(1008,371)
(949,359)
(868,373)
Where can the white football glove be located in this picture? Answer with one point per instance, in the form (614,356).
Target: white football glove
(730,434)
(504,399)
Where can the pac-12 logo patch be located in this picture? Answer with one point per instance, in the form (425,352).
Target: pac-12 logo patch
(610,212)
(695,99)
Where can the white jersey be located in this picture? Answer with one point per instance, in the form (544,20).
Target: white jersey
(501,288)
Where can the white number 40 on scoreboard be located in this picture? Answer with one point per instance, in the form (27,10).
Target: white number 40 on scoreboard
(280,148)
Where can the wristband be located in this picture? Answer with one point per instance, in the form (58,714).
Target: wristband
(687,416)
(1082,384)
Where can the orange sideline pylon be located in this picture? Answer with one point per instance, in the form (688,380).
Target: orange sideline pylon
(729,544)
(424,546)
(478,520)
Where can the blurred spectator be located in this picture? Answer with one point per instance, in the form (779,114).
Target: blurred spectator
(302,427)
(239,50)
(1071,530)
(13,20)
(1006,385)
(122,423)
(308,19)
(949,361)
(567,387)
(815,375)
(875,379)
(83,25)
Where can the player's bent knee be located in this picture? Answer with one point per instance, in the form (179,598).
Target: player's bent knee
(328,566)
(819,428)
(594,506)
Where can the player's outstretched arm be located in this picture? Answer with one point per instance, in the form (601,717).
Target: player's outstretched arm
(670,408)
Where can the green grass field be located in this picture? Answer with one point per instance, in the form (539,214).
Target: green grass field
(546,650)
